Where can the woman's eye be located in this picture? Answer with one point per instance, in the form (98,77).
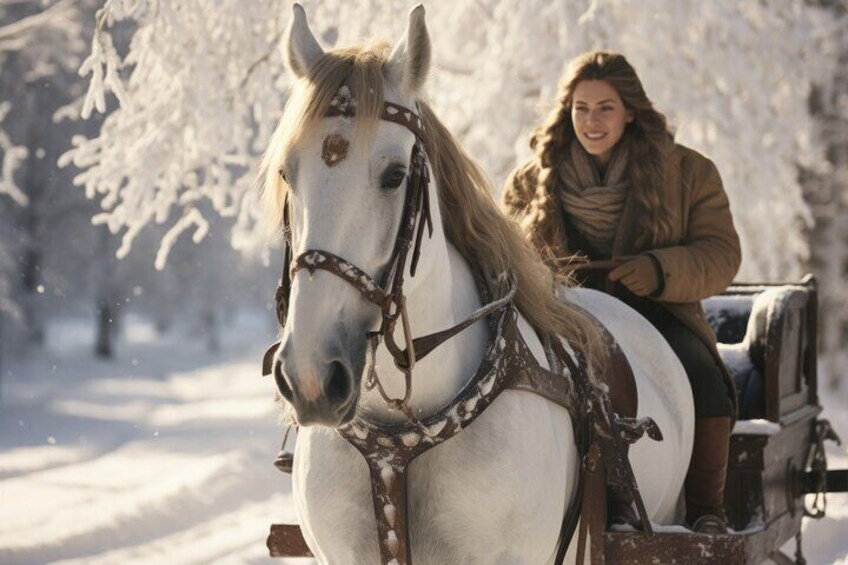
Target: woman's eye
(392,178)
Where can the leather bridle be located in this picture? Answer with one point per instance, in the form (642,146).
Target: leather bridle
(387,294)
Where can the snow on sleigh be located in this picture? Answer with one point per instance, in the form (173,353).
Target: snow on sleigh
(767,336)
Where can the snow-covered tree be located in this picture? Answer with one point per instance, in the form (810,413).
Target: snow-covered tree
(25,27)
(202,85)
(31,27)
(825,190)
(43,49)
(54,261)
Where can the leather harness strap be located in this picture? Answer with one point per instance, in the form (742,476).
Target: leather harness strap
(619,425)
(390,448)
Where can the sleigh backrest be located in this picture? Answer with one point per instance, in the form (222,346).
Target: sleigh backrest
(767,336)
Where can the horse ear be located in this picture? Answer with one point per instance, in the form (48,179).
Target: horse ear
(302,50)
(410,59)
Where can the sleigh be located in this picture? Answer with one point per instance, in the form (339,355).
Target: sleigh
(767,335)
(776,450)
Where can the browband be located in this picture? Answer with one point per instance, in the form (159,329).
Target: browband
(344,105)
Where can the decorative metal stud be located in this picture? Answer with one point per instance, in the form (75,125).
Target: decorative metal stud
(335,149)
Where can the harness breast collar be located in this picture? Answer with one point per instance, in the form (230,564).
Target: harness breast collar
(508,363)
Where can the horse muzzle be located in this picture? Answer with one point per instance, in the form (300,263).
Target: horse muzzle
(322,394)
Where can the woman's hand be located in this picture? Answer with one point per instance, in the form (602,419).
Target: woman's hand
(638,274)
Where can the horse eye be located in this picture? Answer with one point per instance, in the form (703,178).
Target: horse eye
(392,177)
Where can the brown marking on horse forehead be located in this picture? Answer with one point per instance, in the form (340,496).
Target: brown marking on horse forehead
(334,149)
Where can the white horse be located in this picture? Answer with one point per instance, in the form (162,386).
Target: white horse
(497,491)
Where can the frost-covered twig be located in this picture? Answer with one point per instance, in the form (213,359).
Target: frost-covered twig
(11,157)
(272,48)
(200,112)
(103,55)
(192,217)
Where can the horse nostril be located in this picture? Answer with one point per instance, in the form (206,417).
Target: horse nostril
(282,385)
(338,383)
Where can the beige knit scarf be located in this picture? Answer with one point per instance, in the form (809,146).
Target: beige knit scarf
(593,205)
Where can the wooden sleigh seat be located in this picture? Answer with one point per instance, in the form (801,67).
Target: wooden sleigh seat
(766,336)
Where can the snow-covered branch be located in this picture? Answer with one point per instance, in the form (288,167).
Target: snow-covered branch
(11,157)
(197,92)
(201,85)
(103,57)
(29,34)
(15,35)
(192,217)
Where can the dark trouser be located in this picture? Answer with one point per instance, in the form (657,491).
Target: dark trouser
(704,487)
(711,394)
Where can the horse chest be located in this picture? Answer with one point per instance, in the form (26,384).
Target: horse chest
(496,488)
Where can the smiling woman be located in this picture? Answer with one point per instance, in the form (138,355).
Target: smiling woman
(609,185)
(599,118)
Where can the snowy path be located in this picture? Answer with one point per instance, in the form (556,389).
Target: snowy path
(164,456)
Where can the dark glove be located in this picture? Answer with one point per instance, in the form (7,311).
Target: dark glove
(640,275)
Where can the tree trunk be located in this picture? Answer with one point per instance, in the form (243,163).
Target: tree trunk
(31,303)
(2,352)
(163,321)
(106,303)
(825,193)
(105,318)
(211,327)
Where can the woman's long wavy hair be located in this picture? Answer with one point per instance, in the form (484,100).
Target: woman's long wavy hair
(648,137)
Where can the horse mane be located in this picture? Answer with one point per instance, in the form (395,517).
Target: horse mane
(473,222)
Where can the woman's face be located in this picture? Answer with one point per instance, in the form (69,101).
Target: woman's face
(599,118)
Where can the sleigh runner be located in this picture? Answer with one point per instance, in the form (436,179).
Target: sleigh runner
(767,334)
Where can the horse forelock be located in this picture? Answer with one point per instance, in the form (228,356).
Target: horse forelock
(360,69)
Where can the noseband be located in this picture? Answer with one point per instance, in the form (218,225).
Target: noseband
(387,294)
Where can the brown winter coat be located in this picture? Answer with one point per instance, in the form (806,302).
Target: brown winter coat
(700,259)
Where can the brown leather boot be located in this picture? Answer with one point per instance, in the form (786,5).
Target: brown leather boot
(707,474)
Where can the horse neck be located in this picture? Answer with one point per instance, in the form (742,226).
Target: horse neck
(437,298)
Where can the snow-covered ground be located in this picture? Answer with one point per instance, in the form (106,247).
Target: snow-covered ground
(161,456)
(826,540)
(164,454)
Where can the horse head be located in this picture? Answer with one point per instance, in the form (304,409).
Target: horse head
(336,176)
